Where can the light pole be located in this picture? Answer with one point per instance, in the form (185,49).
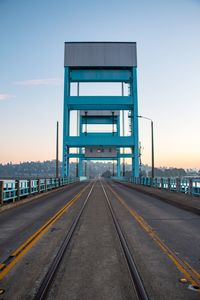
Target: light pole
(152,145)
(57,137)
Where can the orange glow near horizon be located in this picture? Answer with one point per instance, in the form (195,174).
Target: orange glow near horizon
(176,161)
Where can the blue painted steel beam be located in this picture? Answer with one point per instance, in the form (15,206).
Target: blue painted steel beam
(96,106)
(65,164)
(135,160)
(103,140)
(126,155)
(99,158)
(99,120)
(76,155)
(98,75)
(99,134)
(118,167)
(99,103)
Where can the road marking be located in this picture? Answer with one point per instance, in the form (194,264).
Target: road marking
(15,257)
(190,273)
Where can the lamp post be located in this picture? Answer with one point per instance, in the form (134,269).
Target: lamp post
(57,137)
(152,145)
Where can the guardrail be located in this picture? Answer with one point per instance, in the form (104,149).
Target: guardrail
(14,190)
(183,185)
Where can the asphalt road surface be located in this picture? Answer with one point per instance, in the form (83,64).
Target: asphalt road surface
(94,266)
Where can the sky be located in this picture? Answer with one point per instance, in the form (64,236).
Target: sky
(32,36)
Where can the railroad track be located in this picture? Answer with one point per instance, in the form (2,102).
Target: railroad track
(191,276)
(7,265)
(46,283)
(137,280)
(138,286)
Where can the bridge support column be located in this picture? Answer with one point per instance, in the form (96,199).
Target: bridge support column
(93,62)
(45,183)
(135,165)
(65,167)
(39,186)
(1,192)
(118,167)
(169,183)
(178,184)
(29,186)
(133,162)
(190,186)
(18,189)
(80,167)
(162,183)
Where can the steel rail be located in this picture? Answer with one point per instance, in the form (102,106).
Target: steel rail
(46,283)
(192,276)
(139,286)
(14,257)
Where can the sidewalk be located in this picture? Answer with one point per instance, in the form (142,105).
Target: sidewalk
(183,201)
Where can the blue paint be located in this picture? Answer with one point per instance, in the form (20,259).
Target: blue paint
(134,113)
(119,155)
(99,75)
(99,140)
(99,103)
(100,120)
(181,185)
(11,192)
(65,170)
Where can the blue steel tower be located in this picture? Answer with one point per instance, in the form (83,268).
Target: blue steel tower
(100,62)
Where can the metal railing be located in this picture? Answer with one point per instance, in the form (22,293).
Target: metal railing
(183,185)
(14,190)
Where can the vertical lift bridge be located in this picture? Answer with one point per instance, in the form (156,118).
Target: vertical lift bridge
(100,62)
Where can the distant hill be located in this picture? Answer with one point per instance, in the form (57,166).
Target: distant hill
(47,169)
(29,170)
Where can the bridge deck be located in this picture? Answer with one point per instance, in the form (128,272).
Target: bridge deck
(94,266)
(181,200)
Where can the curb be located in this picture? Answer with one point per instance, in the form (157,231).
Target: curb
(35,197)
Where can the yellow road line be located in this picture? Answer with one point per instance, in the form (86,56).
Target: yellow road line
(190,273)
(28,244)
(2,266)
(192,269)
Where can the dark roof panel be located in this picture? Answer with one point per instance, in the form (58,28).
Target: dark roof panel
(100,54)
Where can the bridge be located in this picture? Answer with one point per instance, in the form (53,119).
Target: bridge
(100,63)
(72,237)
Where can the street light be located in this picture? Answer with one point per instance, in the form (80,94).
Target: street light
(152,145)
(57,150)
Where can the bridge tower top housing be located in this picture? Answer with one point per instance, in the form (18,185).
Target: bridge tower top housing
(93,125)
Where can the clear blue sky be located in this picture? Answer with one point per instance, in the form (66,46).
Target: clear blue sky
(32,35)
